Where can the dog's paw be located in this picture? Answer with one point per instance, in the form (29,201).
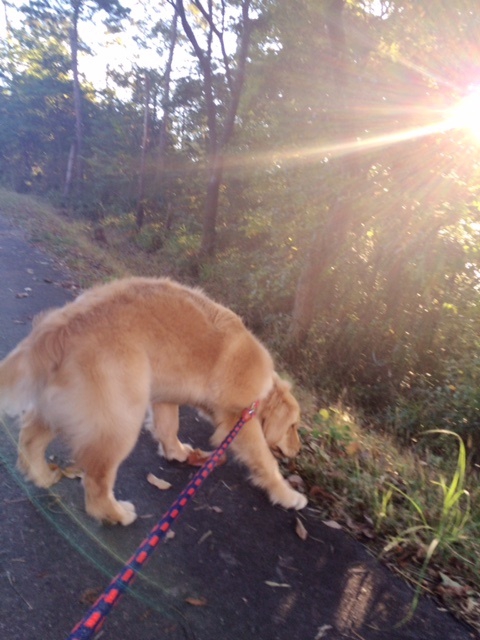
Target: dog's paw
(127,512)
(290,499)
(43,477)
(49,479)
(179,453)
(301,502)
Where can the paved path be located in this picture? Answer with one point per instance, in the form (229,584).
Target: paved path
(230,549)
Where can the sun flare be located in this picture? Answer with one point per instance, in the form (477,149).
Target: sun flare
(466,114)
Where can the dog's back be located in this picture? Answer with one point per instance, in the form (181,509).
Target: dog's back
(136,318)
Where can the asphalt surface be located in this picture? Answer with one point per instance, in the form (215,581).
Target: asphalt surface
(236,569)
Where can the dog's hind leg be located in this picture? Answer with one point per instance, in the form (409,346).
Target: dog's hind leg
(100,459)
(165,431)
(35,436)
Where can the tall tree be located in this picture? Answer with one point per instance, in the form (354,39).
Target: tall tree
(156,83)
(172,40)
(71,12)
(214,18)
(35,108)
(326,238)
(140,214)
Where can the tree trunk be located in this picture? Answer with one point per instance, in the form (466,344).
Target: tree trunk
(209,234)
(329,237)
(69,173)
(75,168)
(145,136)
(217,144)
(166,107)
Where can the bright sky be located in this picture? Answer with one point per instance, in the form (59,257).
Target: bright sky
(115,51)
(110,50)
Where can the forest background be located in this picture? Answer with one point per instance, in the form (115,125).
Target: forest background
(313,164)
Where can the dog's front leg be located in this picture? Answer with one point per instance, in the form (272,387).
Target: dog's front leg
(165,431)
(252,449)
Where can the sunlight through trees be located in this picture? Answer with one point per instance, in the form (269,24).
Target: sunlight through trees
(315,164)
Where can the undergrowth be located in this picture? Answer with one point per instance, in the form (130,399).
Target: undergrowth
(418,510)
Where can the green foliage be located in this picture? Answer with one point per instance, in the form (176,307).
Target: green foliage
(441,530)
(393,227)
(452,401)
(150,238)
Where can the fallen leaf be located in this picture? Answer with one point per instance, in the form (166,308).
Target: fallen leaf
(71,472)
(300,530)
(450,588)
(196,602)
(318,493)
(332,524)
(296,482)
(197,458)
(205,536)
(277,585)
(322,631)
(163,485)
(22,295)
(217,509)
(471,605)
(353,449)
(68,285)
(448,582)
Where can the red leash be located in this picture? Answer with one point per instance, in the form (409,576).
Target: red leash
(92,622)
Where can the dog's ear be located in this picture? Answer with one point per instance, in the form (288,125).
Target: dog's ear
(279,414)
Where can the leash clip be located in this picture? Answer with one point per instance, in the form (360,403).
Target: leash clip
(250,412)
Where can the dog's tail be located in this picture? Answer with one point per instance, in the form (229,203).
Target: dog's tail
(15,383)
(29,368)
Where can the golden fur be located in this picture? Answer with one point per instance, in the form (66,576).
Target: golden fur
(90,370)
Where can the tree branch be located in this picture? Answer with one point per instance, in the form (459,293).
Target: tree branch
(220,35)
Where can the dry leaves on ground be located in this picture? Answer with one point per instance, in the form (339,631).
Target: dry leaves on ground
(300,530)
(70,472)
(197,458)
(161,484)
(197,602)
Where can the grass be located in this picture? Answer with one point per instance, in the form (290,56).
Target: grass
(417,510)
(68,240)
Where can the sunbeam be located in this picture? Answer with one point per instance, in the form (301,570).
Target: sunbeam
(466,114)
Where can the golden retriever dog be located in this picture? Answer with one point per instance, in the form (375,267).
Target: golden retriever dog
(89,371)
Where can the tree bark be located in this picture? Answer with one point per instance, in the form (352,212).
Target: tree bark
(75,169)
(217,144)
(166,107)
(140,215)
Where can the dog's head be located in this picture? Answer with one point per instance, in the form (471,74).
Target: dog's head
(279,415)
